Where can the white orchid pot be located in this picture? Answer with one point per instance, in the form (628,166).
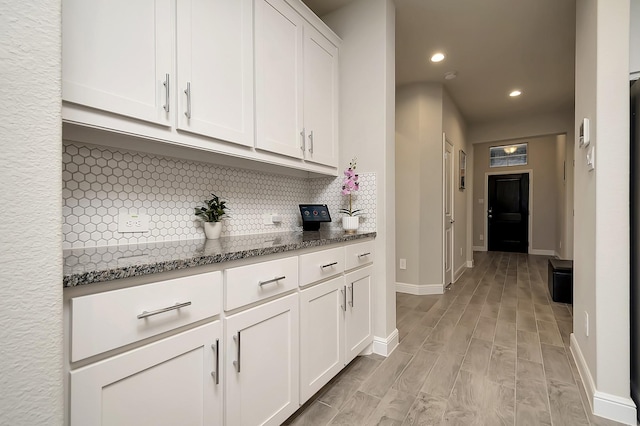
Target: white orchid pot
(350,224)
(212,230)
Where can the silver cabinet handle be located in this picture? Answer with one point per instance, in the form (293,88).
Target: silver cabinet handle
(187,92)
(236,363)
(344,298)
(351,290)
(311,142)
(303,146)
(146,314)
(364,254)
(166,92)
(216,374)
(328,265)
(276,279)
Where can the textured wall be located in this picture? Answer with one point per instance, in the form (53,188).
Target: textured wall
(100,182)
(30,258)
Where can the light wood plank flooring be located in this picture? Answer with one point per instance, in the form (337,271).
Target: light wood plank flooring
(493,350)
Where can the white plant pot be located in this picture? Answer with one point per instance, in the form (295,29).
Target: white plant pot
(212,230)
(350,224)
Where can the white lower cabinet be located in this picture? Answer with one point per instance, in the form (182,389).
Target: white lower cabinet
(173,381)
(358,319)
(262,363)
(321,335)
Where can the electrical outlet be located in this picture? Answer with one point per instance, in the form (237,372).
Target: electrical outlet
(481,237)
(586,323)
(403,263)
(133,222)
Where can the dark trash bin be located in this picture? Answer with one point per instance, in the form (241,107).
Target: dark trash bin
(561,280)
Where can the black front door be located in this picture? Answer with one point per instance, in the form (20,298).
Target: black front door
(508,213)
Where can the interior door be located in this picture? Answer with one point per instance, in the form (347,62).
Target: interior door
(508,213)
(448,213)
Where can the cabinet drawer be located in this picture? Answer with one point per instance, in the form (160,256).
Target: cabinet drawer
(251,283)
(320,265)
(359,254)
(105,321)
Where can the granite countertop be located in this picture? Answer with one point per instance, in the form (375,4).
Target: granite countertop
(100,264)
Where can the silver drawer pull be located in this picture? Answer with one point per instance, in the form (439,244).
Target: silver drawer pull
(364,254)
(216,374)
(146,314)
(329,265)
(276,279)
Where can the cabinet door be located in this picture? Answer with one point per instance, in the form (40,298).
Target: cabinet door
(215,68)
(117,57)
(262,363)
(320,98)
(278,74)
(169,382)
(321,335)
(358,320)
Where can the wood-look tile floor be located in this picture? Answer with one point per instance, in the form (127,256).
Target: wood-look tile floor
(493,350)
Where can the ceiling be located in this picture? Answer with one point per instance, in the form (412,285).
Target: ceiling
(495,46)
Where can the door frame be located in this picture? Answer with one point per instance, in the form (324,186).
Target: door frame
(446,141)
(486,202)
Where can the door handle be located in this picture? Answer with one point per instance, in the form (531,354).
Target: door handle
(451,221)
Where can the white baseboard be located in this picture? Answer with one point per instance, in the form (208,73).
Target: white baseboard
(613,407)
(540,252)
(469,263)
(479,248)
(419,290)
(459,272)
(384,347)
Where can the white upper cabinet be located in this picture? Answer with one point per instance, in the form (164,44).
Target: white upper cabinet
(296,85)
(215,69)
(320,98)
(278,53)
(116,57)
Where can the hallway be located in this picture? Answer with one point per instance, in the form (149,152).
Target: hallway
(493,350)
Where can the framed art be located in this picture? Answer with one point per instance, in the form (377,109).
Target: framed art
(463,169)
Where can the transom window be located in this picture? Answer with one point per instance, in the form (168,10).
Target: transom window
(508,155)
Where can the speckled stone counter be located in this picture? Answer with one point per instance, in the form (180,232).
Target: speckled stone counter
(100,264)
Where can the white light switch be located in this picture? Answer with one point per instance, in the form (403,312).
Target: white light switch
(591,158)
(403,263)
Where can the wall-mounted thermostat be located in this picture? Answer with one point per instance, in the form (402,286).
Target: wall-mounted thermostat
(584,133)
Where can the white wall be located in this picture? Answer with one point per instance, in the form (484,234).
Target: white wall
(30,225)
(423,113)
(367,130)
(634,44)
(554,123)
(561,193)
(601,241)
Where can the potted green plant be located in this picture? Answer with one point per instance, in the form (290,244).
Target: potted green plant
(351,221)
(212,212)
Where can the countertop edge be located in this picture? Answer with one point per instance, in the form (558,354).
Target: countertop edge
(105,275)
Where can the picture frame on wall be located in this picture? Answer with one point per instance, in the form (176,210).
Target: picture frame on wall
(463,170)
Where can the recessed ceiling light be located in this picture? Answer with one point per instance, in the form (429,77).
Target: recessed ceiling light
(437,57)
(515,93)
(450,75)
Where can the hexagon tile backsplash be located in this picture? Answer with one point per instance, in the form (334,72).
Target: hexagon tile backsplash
(99,183)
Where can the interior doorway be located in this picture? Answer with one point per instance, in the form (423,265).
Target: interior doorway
(508,212)
(449,220)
